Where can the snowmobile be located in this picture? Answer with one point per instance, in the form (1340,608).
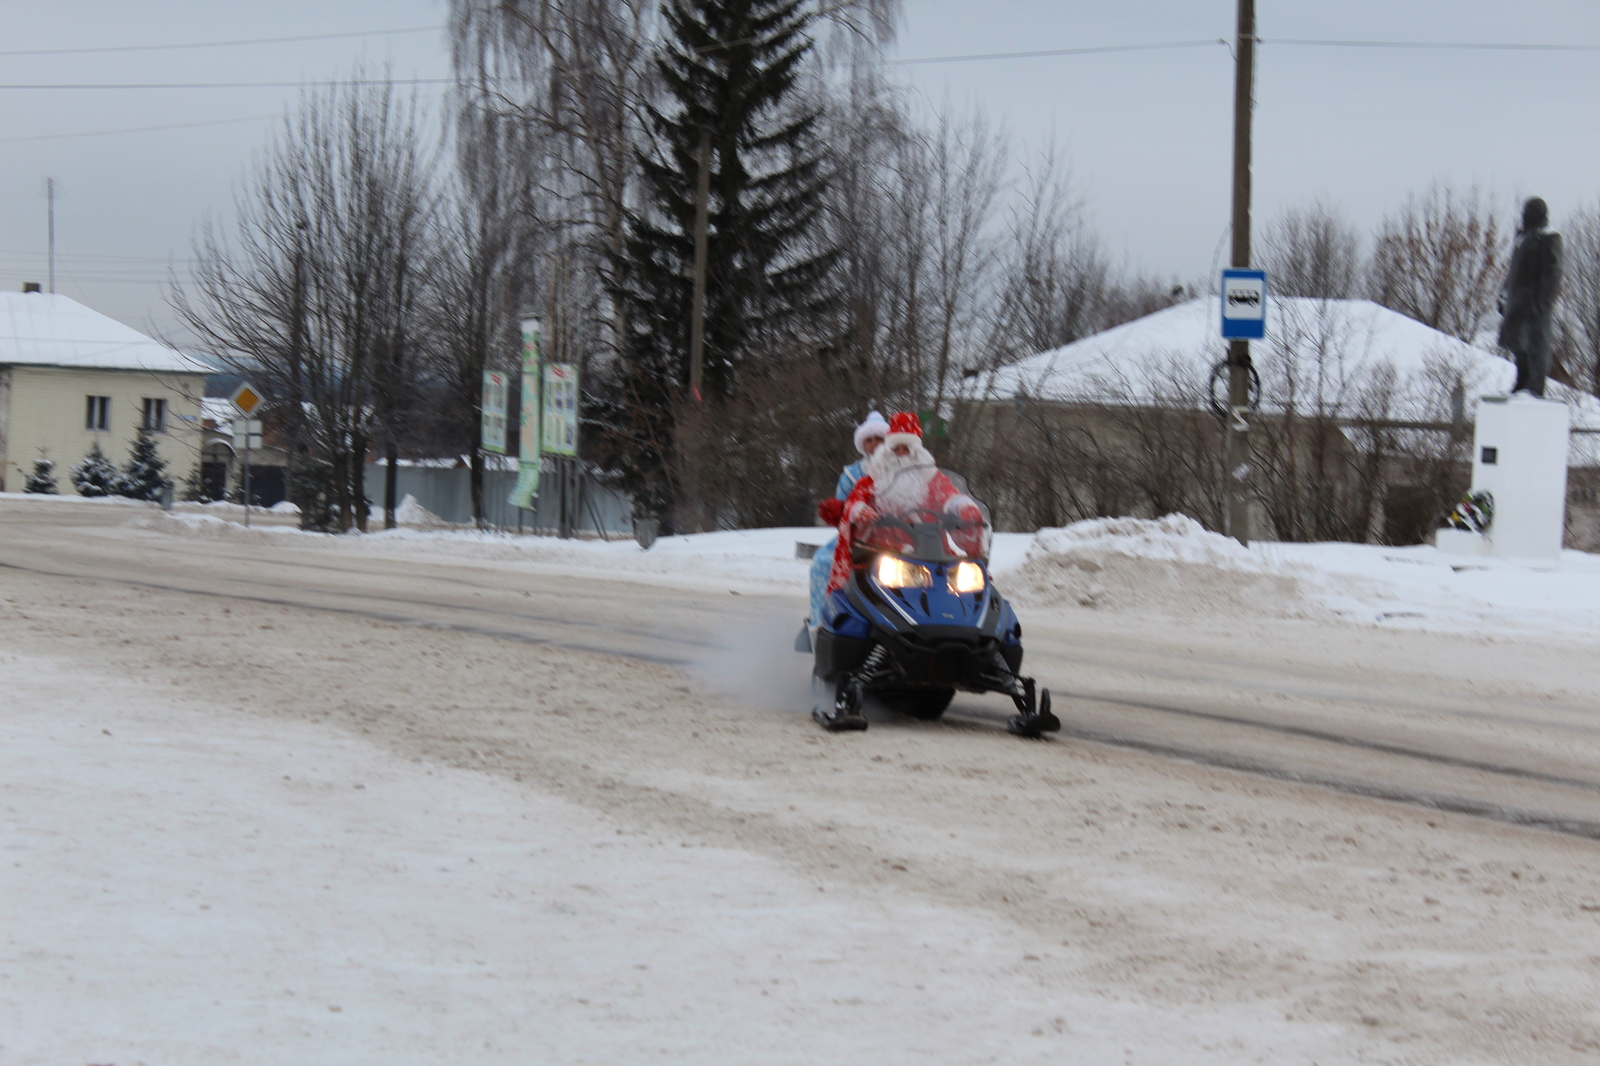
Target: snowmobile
(919,619)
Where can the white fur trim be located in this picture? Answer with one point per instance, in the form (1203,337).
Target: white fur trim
(910,439)
(874,425)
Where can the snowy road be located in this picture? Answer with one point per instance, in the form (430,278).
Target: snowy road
(1447,723)
(1172,889)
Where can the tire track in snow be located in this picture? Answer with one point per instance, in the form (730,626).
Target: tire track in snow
(376,616)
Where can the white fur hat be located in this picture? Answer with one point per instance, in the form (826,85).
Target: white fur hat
(875,425)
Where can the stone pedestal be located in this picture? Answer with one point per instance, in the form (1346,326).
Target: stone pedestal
(1461,542)
(1519,456)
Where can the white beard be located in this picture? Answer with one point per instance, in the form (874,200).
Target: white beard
(900,482)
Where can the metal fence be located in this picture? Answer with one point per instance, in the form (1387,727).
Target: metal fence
(447,492)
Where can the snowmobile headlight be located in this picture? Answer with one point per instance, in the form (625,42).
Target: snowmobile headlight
(893,573)
(966,577)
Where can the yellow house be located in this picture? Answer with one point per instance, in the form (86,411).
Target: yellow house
(70,376)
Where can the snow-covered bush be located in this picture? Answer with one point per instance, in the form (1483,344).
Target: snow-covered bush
(145,476)
(43,478)
(94,474)
(311,488)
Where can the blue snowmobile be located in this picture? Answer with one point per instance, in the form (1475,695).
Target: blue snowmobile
(918,620)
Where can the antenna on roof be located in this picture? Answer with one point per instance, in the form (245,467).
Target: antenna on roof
(50,195)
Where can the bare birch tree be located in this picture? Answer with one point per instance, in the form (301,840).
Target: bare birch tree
(315,295)
(486,237)
(1055,276)
(1578,320)
(1312,251)
(1439,259)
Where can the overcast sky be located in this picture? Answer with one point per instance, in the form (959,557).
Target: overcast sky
(1147,133)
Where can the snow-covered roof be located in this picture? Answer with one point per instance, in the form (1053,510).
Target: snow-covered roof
(48,329)
(1315,351)
(1184,340)
(219,411)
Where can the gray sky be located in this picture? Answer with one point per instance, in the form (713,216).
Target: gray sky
(1147,133)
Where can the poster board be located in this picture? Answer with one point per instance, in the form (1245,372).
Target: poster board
(495,385)
(561,408)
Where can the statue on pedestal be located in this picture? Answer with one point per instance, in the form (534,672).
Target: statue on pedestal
(1528,297)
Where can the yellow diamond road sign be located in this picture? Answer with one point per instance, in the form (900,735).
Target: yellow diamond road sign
(247,400)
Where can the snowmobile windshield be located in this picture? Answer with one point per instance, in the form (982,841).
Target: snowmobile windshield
(931,519)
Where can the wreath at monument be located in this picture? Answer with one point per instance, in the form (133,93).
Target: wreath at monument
(1473,514)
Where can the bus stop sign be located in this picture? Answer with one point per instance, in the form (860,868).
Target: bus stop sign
(1244,304)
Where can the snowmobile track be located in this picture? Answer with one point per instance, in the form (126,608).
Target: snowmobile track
(1345,740)
(1577,827)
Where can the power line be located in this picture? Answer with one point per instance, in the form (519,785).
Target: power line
(1096,50)
(80,279)
(1304,41)
(1480,46)
(13,254)
(966,58)
(136,129)
(217,44)
(348,83)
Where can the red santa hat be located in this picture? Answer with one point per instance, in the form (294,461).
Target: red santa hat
(904,428)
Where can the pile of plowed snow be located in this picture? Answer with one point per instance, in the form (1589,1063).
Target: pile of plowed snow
(1170,565)
(412,513)
(209,526)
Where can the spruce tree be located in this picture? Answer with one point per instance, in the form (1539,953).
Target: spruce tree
(145,476)
(194,486)
(311,489)
(729,68)
(94,474)
(43,478)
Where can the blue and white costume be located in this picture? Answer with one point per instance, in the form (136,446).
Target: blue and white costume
(874,426)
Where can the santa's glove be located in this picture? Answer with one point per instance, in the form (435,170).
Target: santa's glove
(830,511)
(863,514)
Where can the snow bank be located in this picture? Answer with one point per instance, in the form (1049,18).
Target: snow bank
(744,560)
(412,513)
(68,497)
(1175,538)
(206,526)
(1420,587)
(408,512)
(1171,565)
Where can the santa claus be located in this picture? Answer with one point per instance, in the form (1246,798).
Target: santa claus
(900,478)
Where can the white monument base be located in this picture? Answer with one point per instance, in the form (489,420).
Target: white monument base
(1462,542)
(1519,456)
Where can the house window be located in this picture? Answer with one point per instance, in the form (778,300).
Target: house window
(155,415)
(99,413)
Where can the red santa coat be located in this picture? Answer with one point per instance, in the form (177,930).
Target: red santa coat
(861,510)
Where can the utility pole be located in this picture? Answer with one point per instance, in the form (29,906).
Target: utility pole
(1237,475)
(50,198)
